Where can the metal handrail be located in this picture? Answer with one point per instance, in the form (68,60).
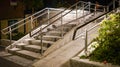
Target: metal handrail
(60,13)
(94,19)
(74,5)
(21,21)
(86,31)
(45,9)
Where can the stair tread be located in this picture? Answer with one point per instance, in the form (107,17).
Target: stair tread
(51,36)
(19,60)
(56,31)
(29,53)
(21,44)
(44,41)
(4,54)
(14,49)
(16,59)
(36,47)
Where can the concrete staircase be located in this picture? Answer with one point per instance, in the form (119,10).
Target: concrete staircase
(30,48)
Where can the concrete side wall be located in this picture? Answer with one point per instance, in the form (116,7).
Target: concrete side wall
(77,62)
(67,38)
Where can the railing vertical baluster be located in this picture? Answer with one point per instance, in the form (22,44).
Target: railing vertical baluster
(10,35)
(86,39)
(31,21)
(41,43)
(113,4)
(62,25)
(119,3)
(77,14)
(104,9)
(83,10)
(107,8)
(48,15)
(31,24)
(89,6)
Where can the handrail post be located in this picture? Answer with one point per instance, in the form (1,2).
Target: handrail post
(48,15)
(76,12)
(113,5)
(104,9)
(89,6)
(31,22)
(10,35)
(83,11)
(86,39)
(41,43)
(107,8)
(119,3)
(62,25)
(95,10)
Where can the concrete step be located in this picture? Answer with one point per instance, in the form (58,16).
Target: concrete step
(49,38)
(70,25)
(13,50)
(24,53)
(26,41)
(34,48)
(55,33)
(9,60)
(38,42)
(65,28)
(21,45)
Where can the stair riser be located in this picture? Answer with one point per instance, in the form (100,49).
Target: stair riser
(55,34)
(22,55)
(39,43)
(12,52)
(32,49)
(50,39)
(25,56)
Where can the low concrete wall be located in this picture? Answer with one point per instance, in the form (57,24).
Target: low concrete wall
(67,38)
(77,62)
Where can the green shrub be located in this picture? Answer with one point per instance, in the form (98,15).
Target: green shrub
(109,41)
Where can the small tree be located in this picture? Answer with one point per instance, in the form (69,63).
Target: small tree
(109,41)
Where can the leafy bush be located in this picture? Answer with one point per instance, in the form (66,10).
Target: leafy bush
(109,41)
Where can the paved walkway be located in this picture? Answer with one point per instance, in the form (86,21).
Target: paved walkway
(61,57)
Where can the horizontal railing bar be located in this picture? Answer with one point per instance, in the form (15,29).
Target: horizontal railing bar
(80,35)
(90,22)
(55,9)
(78,18)
(22,20)
(23,24)
(55,16)
(27,18)
(51,23)
(17,27)
(40,15)
(37,13)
